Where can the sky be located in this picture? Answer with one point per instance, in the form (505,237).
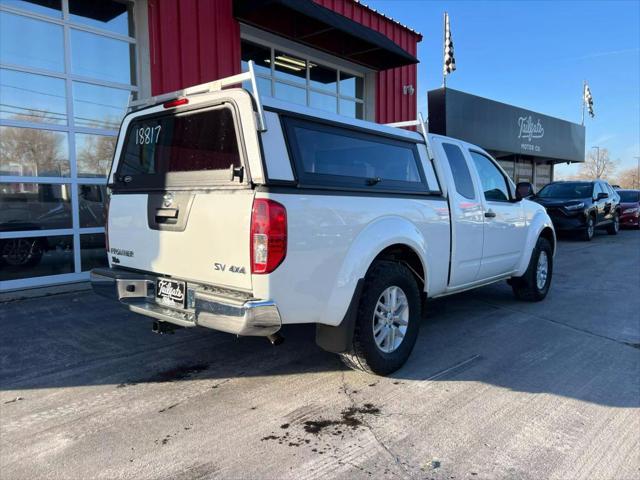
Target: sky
(536,54)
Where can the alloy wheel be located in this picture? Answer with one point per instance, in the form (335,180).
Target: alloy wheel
(390,319)
(542,270)
(590,228)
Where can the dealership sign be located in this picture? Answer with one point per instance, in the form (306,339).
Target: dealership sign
(528,131)
(503,128)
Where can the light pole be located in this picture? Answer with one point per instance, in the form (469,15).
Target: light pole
(597,147)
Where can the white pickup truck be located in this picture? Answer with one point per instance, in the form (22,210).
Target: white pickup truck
(239,216)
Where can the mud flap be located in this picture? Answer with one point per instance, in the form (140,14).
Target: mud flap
(338,339)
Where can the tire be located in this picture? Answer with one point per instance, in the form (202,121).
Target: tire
(21,252)
(589,229)
(528,287)
(368,352)
(614,228)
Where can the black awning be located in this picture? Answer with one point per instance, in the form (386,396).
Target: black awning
(306,22)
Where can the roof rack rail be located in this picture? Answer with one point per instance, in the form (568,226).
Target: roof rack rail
(419,122)
(208,87)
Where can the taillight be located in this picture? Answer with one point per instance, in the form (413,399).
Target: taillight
(268,235)
(105,219)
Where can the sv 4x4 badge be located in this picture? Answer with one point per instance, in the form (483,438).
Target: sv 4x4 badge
(232,268)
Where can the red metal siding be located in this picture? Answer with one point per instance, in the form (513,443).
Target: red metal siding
(391,104)
(195,41)
(192,41)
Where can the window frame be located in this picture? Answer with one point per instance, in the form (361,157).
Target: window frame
(344,182)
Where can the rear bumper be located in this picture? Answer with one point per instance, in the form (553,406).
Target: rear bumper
(137,291)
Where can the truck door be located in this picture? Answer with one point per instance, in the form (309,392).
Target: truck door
(504,220)
(466,217)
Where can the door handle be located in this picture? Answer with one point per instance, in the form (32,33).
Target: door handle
(167,216)
(167,212)
(489,214)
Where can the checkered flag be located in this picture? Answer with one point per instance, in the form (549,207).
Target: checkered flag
(449,61)
(588,100)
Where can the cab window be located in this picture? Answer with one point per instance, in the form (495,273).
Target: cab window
(459,170)
(494,184)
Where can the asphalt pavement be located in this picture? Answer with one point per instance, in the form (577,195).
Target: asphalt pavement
(495,388)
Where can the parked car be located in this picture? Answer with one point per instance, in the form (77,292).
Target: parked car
(581,206)
(629,208)
(227,217)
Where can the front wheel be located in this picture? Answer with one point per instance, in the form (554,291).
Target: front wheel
(388,320)
(533,286)
(614,228)
(589,229)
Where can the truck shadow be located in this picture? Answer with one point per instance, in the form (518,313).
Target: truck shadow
(483,336)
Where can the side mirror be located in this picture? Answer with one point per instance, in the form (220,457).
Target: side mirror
(602,195)
(524,190)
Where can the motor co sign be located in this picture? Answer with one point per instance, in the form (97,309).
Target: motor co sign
(530,130)
(504,128)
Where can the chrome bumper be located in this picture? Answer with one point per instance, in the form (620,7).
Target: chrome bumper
(137,292)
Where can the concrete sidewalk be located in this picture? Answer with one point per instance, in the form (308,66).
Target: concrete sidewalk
(495,388)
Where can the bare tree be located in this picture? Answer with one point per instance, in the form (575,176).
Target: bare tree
(598,165)
(94,158)
(629,178)
(30,151)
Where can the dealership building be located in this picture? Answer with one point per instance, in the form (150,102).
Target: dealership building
(527,144)
(68,69)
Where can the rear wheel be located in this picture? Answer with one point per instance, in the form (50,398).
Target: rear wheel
(589,229)
(614,228)
(388,320)
(533,286)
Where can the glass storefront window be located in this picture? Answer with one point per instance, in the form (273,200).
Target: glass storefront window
(305,81)
(34,206)
(68,71)
(92,251)
(323,102)
(290,93)
(33,98)
(98,107)
(35,257)
(264,85)
(112,64)
(94,154)
(31,43)
(507,165)
(351,85)
(323,78)
(261,57)
(47,7)
(33,152)
(107,15)
(351,108)
(91,202)
(289,67)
